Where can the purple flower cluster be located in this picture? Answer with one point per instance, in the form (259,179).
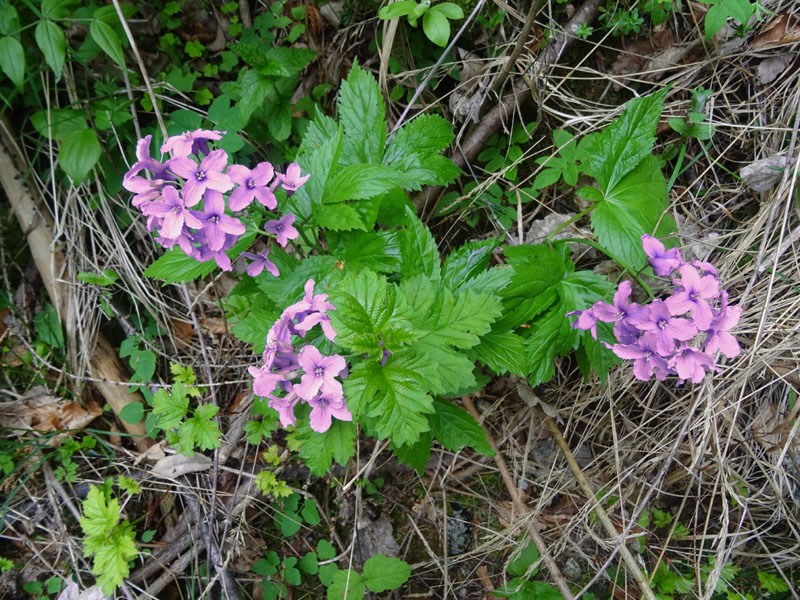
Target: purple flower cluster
(283,363)
(194,173)
(676,336)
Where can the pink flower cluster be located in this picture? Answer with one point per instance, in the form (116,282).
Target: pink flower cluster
(679,335)
(318,385)
(194,173)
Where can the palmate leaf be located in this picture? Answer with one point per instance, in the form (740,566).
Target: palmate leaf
(99,515)
(319,450)
(611,154)
(199,431)
(393,395)
(112,558)
(371,316)
(634,206)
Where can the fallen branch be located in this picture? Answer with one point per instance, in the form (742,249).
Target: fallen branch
(35,222)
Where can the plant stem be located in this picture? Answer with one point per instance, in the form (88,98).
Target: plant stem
(566,224)
(613,257)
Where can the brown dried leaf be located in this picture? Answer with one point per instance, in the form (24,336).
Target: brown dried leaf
(635,56)
(40,411)
(773,67)
(783,29)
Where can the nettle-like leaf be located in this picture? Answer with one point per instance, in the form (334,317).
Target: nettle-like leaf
(362,113)
(357,250)
(469,261)
(175,267)
(371,316)
(392,397)
(416,150)
(383,573)
(319,450)
(199,431)
(455,428)
(418,249)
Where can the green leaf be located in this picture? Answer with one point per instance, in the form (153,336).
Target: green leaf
(394,394)
(48,327)
(9,20)
(383,573)
(631,208)
(326,574)
(111,559)
(415,455)
(78,153)
(144,365)
(175,267)
(12,59)
(467,262)
(503,352)
(451,372)
(546,178)
(105,37)
(51,41)
(450,10)
(362,113)
(106,278)
(325,550)
(132,412)
(740,10)
(318,450)
(63,122)
(358,250)
(526,557)
(99,515)
(170,408)
(286,517)
(57,9)
(611,154)
(259,430)
(346,585)
(358,182)
(397,9)
(460,321)
(309,512)
(370,315)
(455,428)
(552,336)
(418,249)
(309,563)
(436,26)
(279,118)
(200,431)
(253,88)
(772,583)
(716,17)
(414,150)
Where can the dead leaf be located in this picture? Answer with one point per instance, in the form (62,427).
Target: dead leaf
(767,429)
(636,55)
(40,411)
(783,29)
(771,68)
(176,465)
(154,452)
(763,174)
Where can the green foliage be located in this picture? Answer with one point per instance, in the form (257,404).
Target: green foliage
(522,586)
(739,10)
(435,19)
(772,583)
(381,573)
(109,541)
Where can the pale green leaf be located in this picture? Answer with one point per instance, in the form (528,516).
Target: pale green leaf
(319,450)
(99,516)
(436,26)
(346,585)
(170,408)
(383,573)
(199,431)
(111,560)
(450,10)
(397,9)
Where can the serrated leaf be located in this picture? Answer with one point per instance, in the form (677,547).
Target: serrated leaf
(394,394)
(455,428)
(260,430)
(383,573)
(436,26)
(415,455)
(319,450)
(278,114)
(175,267)
(503,352)
(78,153)
(48,327)
(199,431)
(611,154)
(99,515)
(362,113)
(450,371)
(253,88)
(104,279)
(105,37)
(552,336)
(460,321)
(170,408)
(468,261)
(51,41)
(111,559)
(418,249)
(631,208)
(423,135)
(346,585)
(375,250)
(359,182)
(12,59)
(370,315)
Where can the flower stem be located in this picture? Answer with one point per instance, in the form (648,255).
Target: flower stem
(566,224)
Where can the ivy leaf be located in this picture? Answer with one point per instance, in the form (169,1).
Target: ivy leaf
(418,249)
(455,428)
(632,207)
(383,573)
(611,154)
(362,113)
(394,395)
(51,41)
(370,315)
(105,37)
(78,153)
(319,450)
(200,431)
(170,407)
(12,59)
(346,585)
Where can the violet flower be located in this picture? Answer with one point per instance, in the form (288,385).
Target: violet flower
(693,296)
(204,253)
(320,373)
(215,223)
(291,181)
(172,213)
(260,262)
(190,142)
(718,335)
(586,320)
(645,356)
(691,363)
(285,407)
(283,229)
(252,185)
(667,328)
(325,406)
(662,260)
(199,178)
